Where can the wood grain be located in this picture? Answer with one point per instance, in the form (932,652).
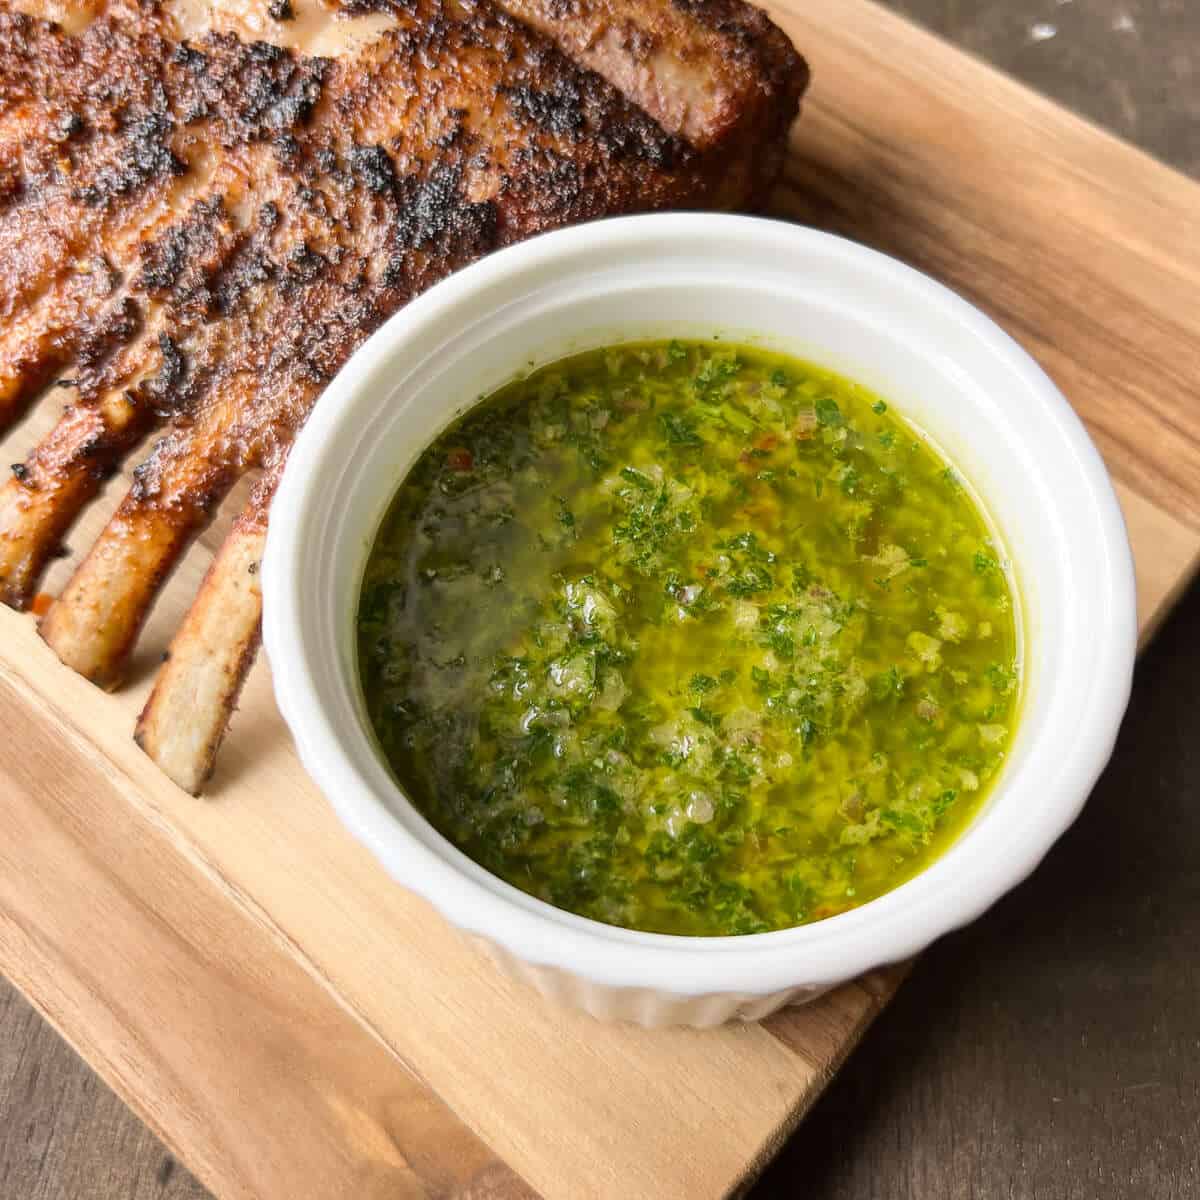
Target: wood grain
(250,1021)
(62,1132)
(293,1023)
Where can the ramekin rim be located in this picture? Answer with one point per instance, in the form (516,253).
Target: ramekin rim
(755,964)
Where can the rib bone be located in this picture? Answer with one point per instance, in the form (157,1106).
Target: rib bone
(94,624)
(187,713)
(56,481)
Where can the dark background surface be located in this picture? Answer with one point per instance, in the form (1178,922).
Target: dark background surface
(1050,1051)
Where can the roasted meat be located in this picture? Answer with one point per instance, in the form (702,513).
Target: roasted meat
(205,210)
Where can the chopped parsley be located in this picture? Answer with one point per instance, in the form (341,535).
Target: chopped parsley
(689,638)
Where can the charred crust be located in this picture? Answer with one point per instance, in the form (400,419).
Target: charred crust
(174,264)
(450,135)
(281,10)
(164,261)
(144,477)
(554,192)
(374,168)
(558,109)
(186,55)
(70,126)
(434,212)
(250,91)
(165,390)
(358,8)
(146,156)
(581,105)
(303,266)
(210,499)
(646,142)
(20,473)
(247,270)
(115,327)
(287,148)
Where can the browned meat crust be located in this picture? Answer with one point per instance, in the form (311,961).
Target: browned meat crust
(704,69)
(203,232)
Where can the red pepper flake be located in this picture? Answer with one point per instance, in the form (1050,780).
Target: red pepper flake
(41,604)
(460,459)
(767,441)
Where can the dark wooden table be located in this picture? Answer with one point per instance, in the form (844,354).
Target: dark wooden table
(1051,1051)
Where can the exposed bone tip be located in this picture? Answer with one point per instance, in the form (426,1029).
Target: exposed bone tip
(188,773)
(78,653)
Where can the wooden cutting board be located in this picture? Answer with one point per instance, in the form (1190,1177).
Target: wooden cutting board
(295,1025)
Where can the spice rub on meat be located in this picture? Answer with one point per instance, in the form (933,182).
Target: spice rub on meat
(201,219)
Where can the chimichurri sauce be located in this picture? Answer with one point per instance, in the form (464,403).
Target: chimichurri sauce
(691,638)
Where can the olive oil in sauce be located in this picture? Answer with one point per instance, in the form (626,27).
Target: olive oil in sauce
(691,638)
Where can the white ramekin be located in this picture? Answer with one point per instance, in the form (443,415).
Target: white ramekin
(947,368)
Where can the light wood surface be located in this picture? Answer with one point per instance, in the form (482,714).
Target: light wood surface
(295,1025)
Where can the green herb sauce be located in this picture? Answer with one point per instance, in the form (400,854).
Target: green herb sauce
(690,638)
